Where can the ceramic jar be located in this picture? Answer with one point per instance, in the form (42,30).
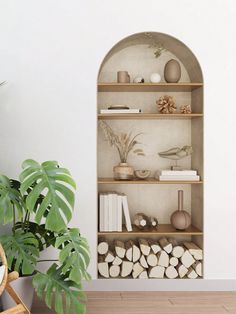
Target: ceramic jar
(123,77)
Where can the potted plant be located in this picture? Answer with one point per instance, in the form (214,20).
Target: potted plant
(40,206)
(125,143)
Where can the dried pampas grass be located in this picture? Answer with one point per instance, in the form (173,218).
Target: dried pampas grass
(123,142)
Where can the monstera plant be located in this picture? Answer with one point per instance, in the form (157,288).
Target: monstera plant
(40,206)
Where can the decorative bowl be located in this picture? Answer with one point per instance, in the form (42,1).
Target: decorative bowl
(142,174)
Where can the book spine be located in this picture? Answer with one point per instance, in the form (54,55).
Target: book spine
(106,213)
(126,213)
(119,213)
(101,212)
(114,212)
(110,212)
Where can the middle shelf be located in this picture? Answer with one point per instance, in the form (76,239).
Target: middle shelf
(147,181)
(148,116)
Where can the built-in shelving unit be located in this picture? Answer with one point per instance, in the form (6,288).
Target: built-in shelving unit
(160,132)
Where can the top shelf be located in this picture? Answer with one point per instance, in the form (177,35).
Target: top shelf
(148,87)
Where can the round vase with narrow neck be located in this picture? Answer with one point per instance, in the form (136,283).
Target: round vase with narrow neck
(180,219)
(123,171)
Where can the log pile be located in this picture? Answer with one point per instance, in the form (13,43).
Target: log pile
(144,259)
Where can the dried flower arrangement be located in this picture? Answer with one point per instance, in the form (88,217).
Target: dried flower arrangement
(159,49)
(123,142)
(186,109)
(166,104)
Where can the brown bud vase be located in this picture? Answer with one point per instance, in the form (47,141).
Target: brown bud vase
(180,219)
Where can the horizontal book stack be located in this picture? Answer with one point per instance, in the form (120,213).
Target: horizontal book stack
(120,111)
(178,175)
(111,208)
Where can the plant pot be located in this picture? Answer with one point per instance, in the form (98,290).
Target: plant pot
(123,172)
(25,290)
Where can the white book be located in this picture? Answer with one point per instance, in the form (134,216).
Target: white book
(101,212)
(114,211)
(126,213)
(106,213)
(179,178)
(120,111)
(178,172)
(110,212)
(119,212)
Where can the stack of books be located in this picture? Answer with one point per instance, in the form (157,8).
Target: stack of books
(111,206)
(178,175)
(120,111)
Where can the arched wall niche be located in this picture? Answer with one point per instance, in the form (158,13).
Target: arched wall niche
(159,132)
(191,70)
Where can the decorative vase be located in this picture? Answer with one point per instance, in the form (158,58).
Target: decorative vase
(180,219)
(24,288)
(123,77)
(123,172)
(172,71)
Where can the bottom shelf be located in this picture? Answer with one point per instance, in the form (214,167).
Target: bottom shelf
(149,259)
(162,229)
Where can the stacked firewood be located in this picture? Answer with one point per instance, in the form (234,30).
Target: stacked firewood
(149,259)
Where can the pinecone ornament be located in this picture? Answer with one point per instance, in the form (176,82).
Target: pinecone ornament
(166,104)
(186,109)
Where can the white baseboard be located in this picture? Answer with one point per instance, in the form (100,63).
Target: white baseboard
(160,285)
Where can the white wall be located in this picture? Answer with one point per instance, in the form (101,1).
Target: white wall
(50,52)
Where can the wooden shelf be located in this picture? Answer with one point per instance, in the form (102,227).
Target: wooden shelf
(163,229)
(147,181)
(148,116)
(148,87)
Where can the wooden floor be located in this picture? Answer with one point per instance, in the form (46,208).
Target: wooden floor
(155,303)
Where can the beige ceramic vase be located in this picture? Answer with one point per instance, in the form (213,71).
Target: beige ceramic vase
(123,172)
(180,219)
(172,71)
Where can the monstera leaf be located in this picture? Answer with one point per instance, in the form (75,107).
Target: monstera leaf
(57,186)
(45,237)
(10,199)
(74,254)
(54,282)
(22,251)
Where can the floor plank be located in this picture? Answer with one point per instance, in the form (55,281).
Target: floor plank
(154,303)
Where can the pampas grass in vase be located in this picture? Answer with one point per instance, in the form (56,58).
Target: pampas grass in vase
(125,143)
